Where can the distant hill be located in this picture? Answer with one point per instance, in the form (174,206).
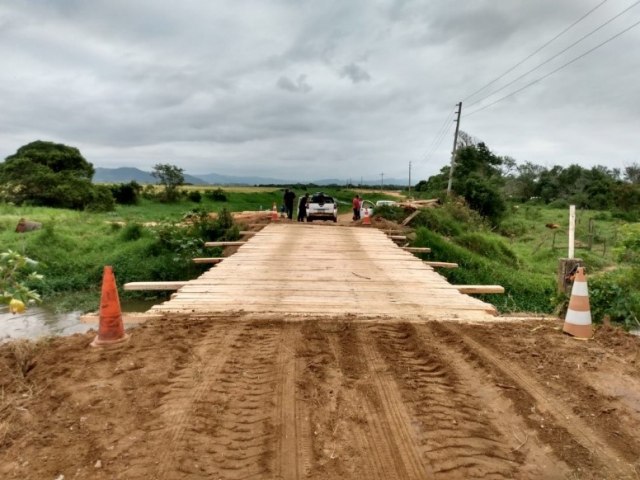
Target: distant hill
(128,174)
(217,179)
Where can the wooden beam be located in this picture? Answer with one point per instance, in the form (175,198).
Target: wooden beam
(480,288)
(247,232)
(409,218)
(208,260)
(154,285)
(441,264)
(417,249)
(398,237)
(223,244)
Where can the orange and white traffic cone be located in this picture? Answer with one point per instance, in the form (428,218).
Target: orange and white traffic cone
(578,320)
(110,329)
(366,220)
(274,213)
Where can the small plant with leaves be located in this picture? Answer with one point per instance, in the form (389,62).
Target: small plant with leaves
(16,273)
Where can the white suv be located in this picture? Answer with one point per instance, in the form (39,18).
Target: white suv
(322,207)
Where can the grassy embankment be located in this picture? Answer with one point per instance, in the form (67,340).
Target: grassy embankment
(522,255)
(141,242)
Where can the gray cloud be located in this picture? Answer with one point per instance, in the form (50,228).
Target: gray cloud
(356,73)
(299,86)
(216,87)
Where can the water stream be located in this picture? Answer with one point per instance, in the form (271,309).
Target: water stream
(43,321)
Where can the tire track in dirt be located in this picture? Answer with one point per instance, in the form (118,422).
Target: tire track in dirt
(572,440)
(456,436)
(182,407)
(241,445)
(290,458)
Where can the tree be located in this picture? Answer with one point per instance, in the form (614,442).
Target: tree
(632,173)
(171,177)
(48,174)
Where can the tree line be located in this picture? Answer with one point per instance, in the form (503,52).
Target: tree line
(488,181)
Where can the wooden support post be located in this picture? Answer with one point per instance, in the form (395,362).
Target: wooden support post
(417,249)
(223,244)
(565,267)
(154,285)
(208,260)
(572,230)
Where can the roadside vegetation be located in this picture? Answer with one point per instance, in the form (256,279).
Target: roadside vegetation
(503,223)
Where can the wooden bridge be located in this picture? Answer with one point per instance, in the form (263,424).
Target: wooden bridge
(296,270)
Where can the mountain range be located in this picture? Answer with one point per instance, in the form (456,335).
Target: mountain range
(128,174)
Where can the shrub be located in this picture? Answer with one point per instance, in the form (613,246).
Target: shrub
(217,195)
(512,228)
(126,193)
(131,232)
(615,294)
(101,200)
(195,196)
(559,203)
(391,212)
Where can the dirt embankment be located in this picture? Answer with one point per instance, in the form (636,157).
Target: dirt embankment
(323,399)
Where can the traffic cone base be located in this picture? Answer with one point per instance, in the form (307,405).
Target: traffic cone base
(366,220)
(578,320)
(274,212)
(97,342)
(111,328)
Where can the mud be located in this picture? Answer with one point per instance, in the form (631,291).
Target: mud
(231,398)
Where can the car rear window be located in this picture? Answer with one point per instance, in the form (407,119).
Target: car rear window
(321,199)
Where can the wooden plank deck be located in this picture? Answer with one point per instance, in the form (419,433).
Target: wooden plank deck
(300,269)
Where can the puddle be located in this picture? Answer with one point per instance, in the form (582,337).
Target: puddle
(41,321)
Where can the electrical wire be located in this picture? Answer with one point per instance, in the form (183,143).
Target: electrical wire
(554,56)
(539,49)
(437,139)
(575,59)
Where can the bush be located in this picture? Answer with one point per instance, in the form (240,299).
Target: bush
(126,193)
(559,203)
(512,228)
(131,232)
(390,212)
(102,200)
(615,294)
(217,195)
(194,196)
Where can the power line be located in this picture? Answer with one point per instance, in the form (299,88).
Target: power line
(537,50)
(554,56)
(437,139)
(554,71)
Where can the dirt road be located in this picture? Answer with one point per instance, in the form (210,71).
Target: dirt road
(232,398)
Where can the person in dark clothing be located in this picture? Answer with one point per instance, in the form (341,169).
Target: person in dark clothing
(288,202)
(302,207)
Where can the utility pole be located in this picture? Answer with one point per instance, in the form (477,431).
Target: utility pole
(409,177)
(455,145)
(381,180)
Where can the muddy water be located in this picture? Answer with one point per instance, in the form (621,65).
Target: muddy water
(43,321)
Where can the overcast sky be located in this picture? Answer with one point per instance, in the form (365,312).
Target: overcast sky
(302,89)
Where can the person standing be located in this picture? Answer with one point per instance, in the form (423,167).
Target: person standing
(356,207)
(288,202)
(302,207)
